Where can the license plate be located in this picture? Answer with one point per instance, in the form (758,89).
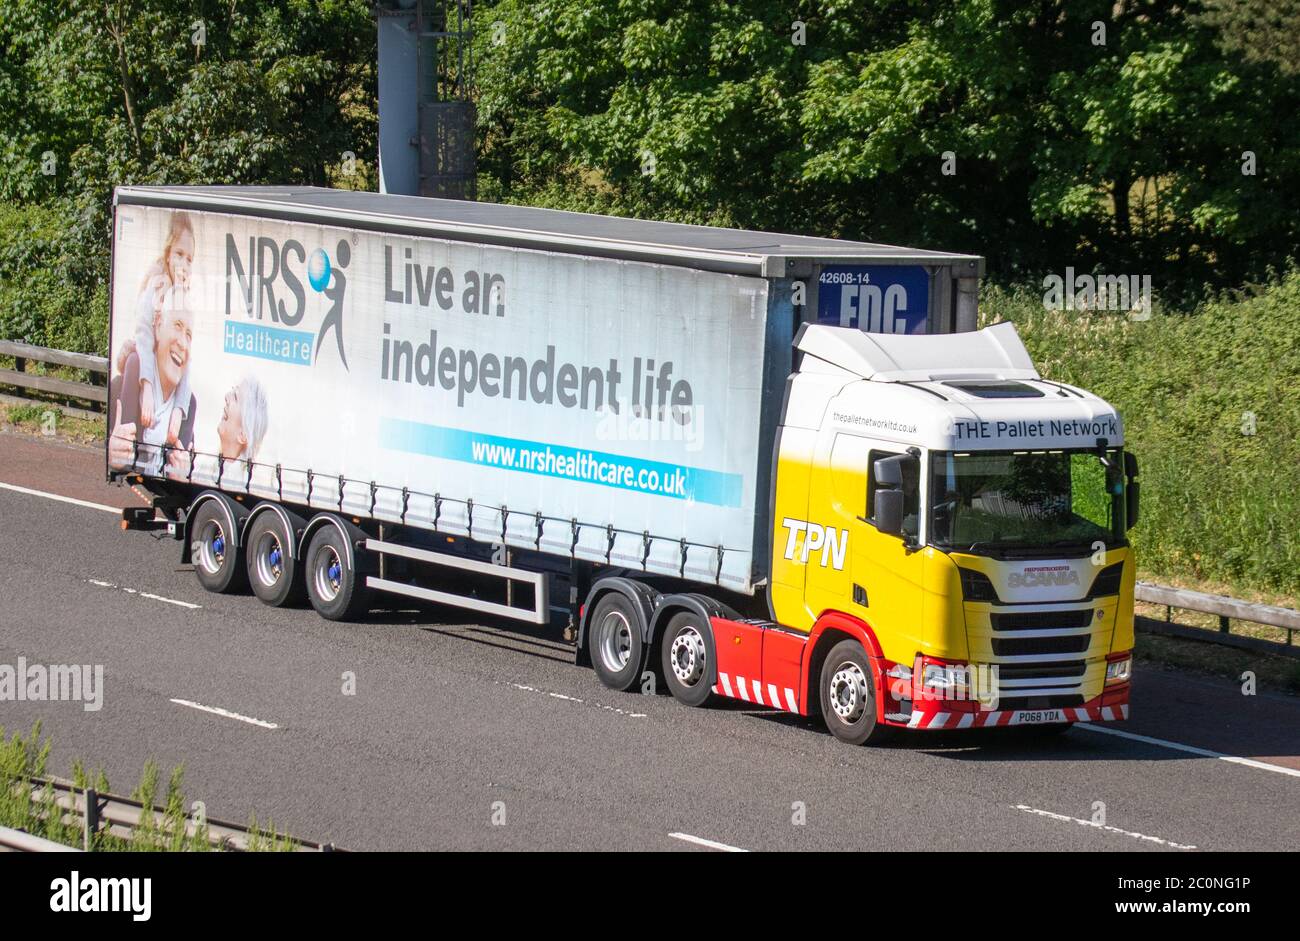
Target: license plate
(1036,716)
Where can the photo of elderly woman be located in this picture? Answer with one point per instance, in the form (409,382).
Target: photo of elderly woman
(172,269)
(240,430)
(133,444)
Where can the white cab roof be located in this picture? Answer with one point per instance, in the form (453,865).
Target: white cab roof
(992,353)
(976,391)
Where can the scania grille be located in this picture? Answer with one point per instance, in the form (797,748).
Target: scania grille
(1040,679)
(1053,671)
(1027,646)
(1042,620)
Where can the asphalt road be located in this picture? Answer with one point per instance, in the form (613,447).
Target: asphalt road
(473,736)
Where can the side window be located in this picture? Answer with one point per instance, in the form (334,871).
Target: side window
(911,491)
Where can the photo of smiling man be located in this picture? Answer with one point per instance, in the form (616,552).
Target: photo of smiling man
(132,443)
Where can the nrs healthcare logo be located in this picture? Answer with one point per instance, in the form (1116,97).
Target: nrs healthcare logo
(270,276)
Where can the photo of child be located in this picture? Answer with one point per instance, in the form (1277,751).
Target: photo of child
(172,269)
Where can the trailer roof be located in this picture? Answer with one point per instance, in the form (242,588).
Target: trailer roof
(735,251)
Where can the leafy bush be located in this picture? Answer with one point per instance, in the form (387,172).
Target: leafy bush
(44,297)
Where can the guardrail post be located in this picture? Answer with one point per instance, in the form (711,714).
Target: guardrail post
(1224,624)
(20,364)
(92,819)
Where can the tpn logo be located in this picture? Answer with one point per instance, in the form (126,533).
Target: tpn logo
(272,290)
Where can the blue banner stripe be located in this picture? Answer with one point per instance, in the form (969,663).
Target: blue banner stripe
(657,478)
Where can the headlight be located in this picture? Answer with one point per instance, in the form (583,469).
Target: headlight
(949,680)
(1119,671)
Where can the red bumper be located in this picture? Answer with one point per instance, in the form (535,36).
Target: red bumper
(1110,706)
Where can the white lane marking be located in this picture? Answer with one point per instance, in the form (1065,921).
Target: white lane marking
(575,699)
(145,594)
(115,510)
(226,713)
(1193,750)
(1100,826)
(707,844)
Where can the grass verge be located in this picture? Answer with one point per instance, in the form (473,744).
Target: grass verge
(162,829)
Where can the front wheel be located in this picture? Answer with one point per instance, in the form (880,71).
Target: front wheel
(848,696)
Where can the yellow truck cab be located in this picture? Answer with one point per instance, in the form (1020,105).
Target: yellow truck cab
(958,524)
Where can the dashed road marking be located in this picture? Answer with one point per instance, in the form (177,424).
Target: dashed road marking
(189,605)
(1101,826)
(226,713)
(575,699)
(1192,750)
(707,844)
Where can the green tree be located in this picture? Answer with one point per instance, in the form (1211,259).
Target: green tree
(1264,31)
(1084,132)
(100,93)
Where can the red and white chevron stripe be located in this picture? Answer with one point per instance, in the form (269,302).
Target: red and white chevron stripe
(933,716)
(738,687)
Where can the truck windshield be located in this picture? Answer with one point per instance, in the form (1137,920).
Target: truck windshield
(1028,499)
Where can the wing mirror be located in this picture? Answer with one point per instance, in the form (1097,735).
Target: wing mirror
(887,509)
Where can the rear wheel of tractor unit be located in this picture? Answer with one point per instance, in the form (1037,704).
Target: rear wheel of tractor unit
(688,657)
(215,551)
(335,587)
(848,696)
(614,641)
(273,573)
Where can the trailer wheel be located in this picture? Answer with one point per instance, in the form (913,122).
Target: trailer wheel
(848,695)
(333,586)
(614,641)
(215,550)
(687,656)
(274,574)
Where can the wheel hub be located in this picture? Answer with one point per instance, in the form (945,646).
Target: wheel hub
(328,574)
(615,641)
(212,547)
(687,656)
(848,692)
(270,559)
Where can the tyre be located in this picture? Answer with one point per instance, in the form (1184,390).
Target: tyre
(848,695)
(615,641)
(215,551)
(334,587)
(273,573)
(687,655)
